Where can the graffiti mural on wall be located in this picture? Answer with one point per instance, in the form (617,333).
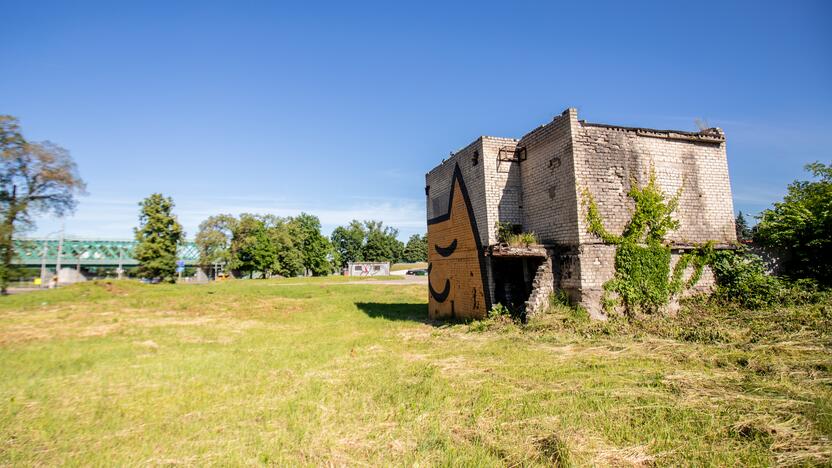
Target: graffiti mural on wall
(456,273)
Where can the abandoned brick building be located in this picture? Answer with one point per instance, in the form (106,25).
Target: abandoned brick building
(536,184)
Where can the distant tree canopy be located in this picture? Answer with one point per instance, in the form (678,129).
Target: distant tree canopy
(34,178)
(214,239)
(743,231)
(801,226)
(368,241)
(348,242)
(266,244)
(416,249)
(315,249)
(158,236)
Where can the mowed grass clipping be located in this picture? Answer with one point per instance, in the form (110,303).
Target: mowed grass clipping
(316,372)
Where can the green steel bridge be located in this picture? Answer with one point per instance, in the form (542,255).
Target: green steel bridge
(88,253)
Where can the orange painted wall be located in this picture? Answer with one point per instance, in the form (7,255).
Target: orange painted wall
(456,279)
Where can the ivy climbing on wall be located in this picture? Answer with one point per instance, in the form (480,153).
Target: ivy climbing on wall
(643,280)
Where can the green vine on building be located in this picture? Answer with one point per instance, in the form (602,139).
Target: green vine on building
(643,281)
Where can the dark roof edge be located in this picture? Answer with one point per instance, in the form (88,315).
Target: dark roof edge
(713,135)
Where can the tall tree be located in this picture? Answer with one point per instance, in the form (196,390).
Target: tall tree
(315,248)
(381,244)
(288,260)
(416,249)
(34,178)
(251,247)
(214,239)
(348,242)
(743,231)
(801,226)
(157,237)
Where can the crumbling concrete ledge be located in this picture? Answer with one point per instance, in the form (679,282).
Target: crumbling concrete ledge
(504,250)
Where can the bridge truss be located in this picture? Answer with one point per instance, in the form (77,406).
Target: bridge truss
(97,253)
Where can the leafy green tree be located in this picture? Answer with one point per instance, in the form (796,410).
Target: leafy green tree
(381,244)
(348,242)
(801,226)
(252,248)
(315,248)
(34,178)
(743,231)
(288,258)
(416,249)
(214,239)
(369,241)
(158,236)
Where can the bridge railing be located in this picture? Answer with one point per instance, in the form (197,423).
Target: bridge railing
(88,252)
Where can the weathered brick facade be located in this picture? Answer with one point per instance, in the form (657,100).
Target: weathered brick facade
(537,182)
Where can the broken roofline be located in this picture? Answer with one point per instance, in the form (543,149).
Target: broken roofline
(709,135)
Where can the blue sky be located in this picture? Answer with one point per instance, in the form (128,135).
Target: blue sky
(339,109)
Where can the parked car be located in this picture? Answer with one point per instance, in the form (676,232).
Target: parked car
(419,272)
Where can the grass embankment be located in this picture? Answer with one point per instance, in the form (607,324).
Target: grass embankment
(245,372)
(408,266)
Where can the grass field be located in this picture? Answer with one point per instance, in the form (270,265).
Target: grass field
(314,372)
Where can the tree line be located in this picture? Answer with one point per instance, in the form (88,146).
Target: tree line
(252,245)
(293,246)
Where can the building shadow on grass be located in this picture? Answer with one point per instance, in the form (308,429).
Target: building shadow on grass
(397,311)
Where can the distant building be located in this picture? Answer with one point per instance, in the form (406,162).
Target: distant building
(535,183)
(368,269)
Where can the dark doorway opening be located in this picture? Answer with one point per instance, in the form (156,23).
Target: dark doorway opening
(514,279)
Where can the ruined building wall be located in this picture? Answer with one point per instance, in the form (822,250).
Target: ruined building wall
(608,158)
(549,203)
(503,185)
(549,199)
(503,196)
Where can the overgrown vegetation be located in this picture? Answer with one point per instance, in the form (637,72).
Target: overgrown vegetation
(758,378)
(800,227)
(316,371)
(513,235)
(742,280)
(642,281)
